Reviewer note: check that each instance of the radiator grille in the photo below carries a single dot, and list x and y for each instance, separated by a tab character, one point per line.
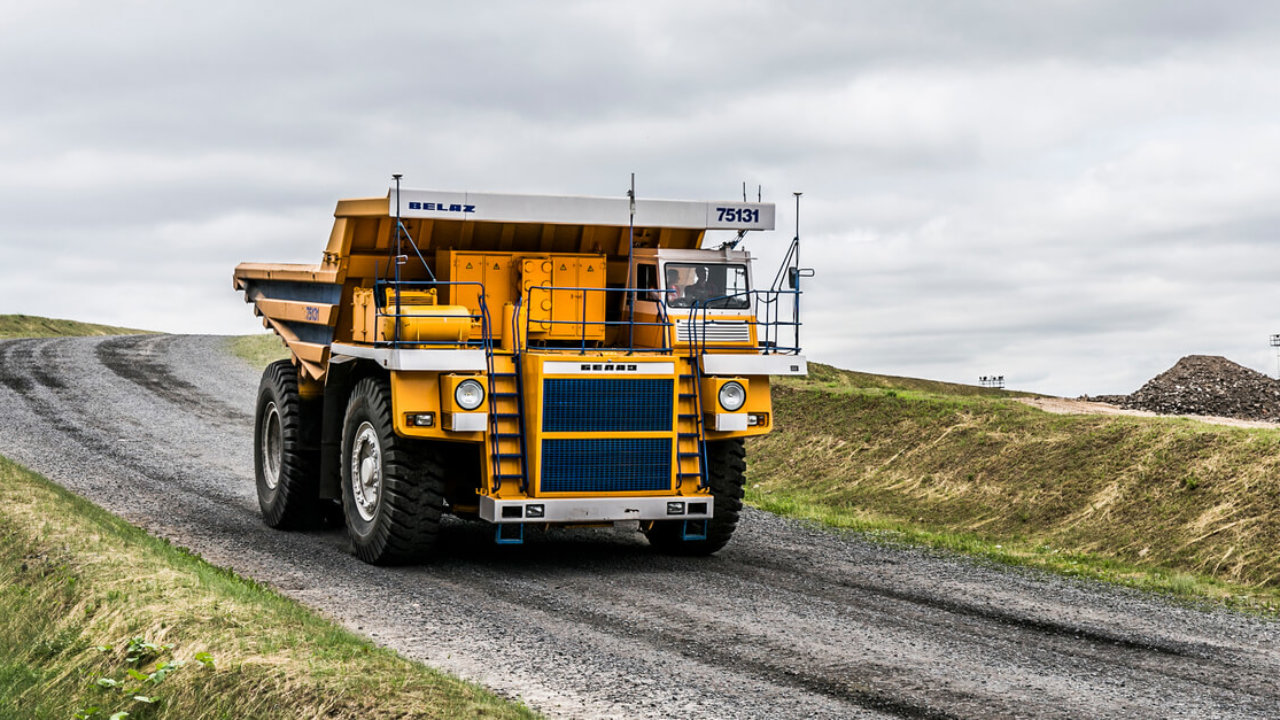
606	465
606	405
712	332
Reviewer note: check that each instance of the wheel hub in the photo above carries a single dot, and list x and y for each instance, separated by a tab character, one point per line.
272	446
366	471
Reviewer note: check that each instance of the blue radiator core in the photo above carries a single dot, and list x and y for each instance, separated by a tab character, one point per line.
606	464
606	405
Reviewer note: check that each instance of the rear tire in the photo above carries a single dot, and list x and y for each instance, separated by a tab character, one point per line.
285	450
392	487
727	463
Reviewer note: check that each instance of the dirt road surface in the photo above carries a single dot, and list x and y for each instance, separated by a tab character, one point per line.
786	622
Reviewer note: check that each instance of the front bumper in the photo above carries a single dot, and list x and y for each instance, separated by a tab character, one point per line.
593	510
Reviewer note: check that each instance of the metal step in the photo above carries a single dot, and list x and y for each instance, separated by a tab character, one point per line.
694	530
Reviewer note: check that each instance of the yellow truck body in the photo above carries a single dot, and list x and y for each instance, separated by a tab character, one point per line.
523	360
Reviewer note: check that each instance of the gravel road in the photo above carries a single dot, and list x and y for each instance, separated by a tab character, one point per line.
786	622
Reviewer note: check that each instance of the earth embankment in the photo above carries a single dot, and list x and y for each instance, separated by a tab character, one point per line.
788	621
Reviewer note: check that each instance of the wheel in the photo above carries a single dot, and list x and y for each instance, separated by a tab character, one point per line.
726	463
392	488
285	450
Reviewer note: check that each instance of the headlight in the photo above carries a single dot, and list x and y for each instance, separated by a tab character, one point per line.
732	395
469	394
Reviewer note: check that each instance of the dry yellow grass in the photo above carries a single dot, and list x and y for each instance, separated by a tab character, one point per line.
73	578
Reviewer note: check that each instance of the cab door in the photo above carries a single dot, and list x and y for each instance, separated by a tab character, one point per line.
648	310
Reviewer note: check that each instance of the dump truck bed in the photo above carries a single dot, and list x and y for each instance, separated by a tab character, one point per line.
308	305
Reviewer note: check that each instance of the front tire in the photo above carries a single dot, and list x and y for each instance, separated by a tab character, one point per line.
727	465
285	450
392	488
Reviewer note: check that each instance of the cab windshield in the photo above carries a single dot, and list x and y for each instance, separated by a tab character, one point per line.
715	286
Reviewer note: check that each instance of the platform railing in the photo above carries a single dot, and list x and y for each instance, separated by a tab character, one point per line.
395	311
583	329
771	324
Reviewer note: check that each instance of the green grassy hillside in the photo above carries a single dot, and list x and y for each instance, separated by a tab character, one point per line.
1169	503
259	350
830	378
97	613
15	326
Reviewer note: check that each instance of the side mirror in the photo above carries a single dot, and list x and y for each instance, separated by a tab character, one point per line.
794	275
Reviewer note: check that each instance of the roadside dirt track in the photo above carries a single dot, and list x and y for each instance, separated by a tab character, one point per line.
786	622
1068	406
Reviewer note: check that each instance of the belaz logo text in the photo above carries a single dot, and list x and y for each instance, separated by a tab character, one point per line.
608	367
442	207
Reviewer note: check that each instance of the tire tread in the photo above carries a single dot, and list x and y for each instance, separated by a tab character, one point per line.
407	523
726	465
294	504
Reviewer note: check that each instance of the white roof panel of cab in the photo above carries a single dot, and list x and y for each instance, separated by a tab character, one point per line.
576	210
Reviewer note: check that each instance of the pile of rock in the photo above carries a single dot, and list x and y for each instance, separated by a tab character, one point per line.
1205	385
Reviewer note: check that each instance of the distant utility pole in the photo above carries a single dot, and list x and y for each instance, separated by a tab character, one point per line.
997	381
1275	343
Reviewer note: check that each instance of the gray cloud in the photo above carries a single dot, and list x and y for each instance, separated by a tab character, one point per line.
1072	193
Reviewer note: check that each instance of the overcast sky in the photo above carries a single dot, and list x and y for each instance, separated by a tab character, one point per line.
1071	194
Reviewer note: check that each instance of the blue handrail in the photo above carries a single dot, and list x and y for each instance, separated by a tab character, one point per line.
584	325
769	328
484	342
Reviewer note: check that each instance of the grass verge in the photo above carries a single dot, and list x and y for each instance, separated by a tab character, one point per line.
101	618
19	326
1171	505
258	350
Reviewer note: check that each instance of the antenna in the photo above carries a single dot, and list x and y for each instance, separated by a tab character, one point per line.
797	194
742	234
631	263
795	283
395	255
399	258
393	251
631	226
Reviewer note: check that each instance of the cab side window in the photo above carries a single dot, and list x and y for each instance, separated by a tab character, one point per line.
647	280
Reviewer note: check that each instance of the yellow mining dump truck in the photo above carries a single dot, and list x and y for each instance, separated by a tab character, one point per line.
521	360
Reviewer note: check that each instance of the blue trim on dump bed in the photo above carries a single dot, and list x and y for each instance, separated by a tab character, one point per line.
306	332
317	292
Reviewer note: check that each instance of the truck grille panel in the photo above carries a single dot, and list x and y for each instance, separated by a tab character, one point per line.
606	465
606	405
712	332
